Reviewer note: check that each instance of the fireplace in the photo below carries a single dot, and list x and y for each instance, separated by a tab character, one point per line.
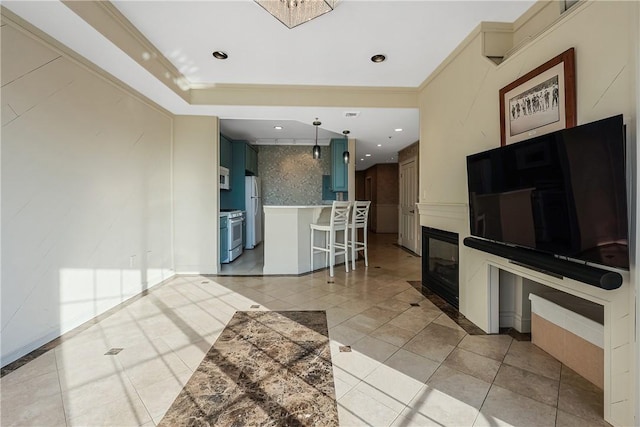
440	263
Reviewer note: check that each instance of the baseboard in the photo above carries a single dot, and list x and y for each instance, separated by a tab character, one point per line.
522	324
507	319
53	338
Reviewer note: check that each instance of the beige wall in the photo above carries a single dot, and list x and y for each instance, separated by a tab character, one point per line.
195	194
459	116
459	107
86	194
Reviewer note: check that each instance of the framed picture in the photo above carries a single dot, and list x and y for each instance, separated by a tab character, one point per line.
541	101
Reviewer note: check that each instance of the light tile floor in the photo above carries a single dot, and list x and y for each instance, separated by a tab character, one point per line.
410	366
250	263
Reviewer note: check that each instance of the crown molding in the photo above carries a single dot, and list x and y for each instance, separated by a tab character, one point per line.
108	21
303	96
7	17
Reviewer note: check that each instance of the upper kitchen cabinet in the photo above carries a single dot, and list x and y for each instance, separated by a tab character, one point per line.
251	160
225	152
244	161
327	194
339	169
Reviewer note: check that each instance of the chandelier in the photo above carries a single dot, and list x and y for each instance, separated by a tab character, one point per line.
295	12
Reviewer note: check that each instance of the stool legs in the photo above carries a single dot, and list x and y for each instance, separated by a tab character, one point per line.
354	236
366	251
312	250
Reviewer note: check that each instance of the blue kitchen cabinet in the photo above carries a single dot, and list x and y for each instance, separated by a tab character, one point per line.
244	162
327	194
225	152
339	169
251	160
236	195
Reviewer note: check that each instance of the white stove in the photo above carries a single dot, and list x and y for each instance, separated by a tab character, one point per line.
235	218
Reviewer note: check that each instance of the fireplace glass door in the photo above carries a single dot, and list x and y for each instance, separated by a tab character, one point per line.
440	261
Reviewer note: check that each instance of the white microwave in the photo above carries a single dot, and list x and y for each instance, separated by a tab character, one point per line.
224	178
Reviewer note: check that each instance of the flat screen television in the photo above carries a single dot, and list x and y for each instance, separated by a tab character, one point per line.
563	193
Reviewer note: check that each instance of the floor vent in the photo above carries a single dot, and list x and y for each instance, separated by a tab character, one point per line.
414	304
255	306
345	349
113	351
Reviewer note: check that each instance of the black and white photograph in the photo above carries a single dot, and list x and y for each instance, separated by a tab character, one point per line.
540	101
534	108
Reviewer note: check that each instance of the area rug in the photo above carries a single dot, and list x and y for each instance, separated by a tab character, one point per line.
266	368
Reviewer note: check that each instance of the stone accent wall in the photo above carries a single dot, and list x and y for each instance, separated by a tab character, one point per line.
290	175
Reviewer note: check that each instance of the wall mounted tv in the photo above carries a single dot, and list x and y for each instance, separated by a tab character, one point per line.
563	193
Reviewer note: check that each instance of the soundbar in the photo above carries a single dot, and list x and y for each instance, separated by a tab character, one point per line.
588	274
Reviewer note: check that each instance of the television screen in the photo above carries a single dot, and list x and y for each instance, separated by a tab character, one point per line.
562	193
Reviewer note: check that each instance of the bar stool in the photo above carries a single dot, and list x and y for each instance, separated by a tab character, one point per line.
359	219
340	212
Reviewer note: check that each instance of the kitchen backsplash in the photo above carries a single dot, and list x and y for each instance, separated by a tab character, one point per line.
290	175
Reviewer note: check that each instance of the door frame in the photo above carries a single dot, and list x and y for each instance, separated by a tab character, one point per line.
416	219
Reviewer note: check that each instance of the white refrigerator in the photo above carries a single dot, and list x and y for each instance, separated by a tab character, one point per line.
253	205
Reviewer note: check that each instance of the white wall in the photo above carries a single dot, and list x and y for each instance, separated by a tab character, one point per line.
459	116
195	194
86	185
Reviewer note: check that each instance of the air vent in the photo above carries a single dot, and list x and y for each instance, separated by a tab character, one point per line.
351	114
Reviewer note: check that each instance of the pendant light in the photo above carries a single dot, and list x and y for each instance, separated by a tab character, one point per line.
345	155
316	148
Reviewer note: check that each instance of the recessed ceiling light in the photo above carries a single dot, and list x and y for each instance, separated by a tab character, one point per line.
367	155
379	145
277	127
378	58
218	54
362	160
398	130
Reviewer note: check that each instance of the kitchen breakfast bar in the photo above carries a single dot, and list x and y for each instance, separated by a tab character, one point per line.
287	238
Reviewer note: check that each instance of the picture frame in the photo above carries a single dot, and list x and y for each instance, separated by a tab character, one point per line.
539	102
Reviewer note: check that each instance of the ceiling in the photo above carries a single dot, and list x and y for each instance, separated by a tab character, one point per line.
332	50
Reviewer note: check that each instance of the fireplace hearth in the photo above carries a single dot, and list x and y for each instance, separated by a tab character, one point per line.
440	263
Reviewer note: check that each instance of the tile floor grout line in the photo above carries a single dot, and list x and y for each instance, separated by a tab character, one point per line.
64	412
354	288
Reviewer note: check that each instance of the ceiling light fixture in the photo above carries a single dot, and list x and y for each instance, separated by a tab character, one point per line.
379	145
367	155
345	154
398	130
316	148
295	12
378	58
277	127
218	54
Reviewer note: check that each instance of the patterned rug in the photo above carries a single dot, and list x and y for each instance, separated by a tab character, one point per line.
267	368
